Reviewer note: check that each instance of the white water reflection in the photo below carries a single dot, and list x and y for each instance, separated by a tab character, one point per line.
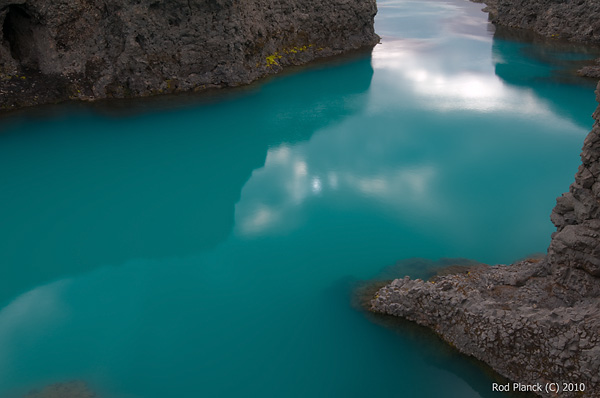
28	318
275	197
316	185
416	66
396	186
260	219
449	69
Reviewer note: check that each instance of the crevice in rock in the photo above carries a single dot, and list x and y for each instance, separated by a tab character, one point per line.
17	30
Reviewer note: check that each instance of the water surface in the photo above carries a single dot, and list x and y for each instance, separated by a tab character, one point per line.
210	248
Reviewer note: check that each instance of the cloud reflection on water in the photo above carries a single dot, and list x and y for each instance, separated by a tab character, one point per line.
275	195
435	83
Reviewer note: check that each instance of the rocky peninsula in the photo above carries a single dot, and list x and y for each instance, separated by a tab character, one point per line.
52	51
535	322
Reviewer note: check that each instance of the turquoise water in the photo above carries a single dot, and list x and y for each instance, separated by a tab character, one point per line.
208	247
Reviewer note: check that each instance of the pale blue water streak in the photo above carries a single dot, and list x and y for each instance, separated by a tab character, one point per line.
209	249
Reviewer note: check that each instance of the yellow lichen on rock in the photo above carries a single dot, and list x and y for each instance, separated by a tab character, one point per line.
272	59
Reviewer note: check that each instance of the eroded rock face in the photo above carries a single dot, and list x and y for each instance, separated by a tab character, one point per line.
573	20
577	20
519	319
118	48
575	247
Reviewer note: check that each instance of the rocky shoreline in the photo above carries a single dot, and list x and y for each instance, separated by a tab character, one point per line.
535	322
576	21
51	51
519	319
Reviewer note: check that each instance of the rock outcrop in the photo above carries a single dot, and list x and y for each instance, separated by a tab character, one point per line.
89	49
573	20
535	321
574	250
576	20
519	319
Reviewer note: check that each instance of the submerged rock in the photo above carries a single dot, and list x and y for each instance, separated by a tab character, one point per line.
590	70
72	389
56	50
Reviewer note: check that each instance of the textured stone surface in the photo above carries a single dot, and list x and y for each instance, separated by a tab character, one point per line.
56	49
576	20
575	247
519	319
590	71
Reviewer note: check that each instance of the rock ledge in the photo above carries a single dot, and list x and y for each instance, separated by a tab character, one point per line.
519	319
51	51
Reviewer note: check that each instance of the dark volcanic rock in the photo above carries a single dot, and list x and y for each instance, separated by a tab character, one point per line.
519	319
576	20
575	247
87	49
591	70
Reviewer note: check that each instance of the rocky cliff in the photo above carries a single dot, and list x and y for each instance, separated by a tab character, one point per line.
576	20
573	20
51	50
574	251
575	248
535	322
